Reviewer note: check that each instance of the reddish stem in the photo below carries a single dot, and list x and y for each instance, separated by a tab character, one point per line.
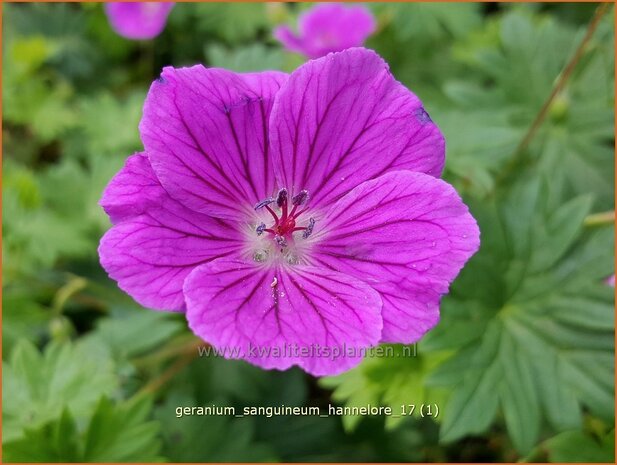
276	218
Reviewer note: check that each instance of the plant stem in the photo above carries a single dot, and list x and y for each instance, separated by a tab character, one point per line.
562	79
600	219
175	368
72	287
177	347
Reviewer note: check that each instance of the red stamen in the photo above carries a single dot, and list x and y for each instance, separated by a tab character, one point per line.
284	207
276	218
293	211
301	211
285	224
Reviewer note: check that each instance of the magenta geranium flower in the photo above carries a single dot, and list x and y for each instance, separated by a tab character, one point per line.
298	220
328	27
138	20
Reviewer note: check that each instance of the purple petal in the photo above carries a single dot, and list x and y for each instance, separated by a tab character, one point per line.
133	190
157	241
238	306
138	20
342	120
406	234
286	36
332	27
206	133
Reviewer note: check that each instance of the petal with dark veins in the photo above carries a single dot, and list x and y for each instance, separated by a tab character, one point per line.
260	313
206	133
407	235
157	241
343	119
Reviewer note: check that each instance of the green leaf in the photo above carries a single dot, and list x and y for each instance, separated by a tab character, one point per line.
55	213
38	230
234	22
115	433
393	381
209	438
122	433
38	387
53	442
22	318
134	331
516	61
585	164
547	346
47	111
529	54
576	446
105	114
561	228
29	54
255	57
473	405
40	237
215	377
63	26
580	129
479	144
430	21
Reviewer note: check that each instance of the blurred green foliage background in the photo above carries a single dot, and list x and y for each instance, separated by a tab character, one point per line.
522	362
